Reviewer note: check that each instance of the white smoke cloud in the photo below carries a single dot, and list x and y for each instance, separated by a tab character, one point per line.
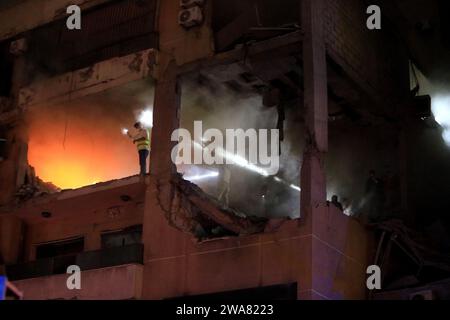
441	111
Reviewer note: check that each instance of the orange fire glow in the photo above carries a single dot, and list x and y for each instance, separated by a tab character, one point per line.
81	145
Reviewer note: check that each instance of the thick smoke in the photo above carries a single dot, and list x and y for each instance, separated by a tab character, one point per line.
429	151
355	149
221	108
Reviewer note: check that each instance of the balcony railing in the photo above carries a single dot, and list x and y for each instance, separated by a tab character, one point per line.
86	261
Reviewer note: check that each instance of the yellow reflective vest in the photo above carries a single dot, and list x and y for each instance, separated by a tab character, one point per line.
142	140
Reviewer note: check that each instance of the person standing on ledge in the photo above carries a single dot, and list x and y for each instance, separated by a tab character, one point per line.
142	140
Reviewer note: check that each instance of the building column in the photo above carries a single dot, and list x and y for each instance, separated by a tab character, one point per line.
313	180
11	239
163	244
165	119
20	79
20	74
14	168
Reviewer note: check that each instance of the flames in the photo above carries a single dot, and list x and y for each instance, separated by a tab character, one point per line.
79	147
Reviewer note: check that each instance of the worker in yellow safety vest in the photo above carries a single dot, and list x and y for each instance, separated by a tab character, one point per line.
142	140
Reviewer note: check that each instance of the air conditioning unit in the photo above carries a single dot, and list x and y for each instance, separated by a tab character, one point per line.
191	3
422	295
191	17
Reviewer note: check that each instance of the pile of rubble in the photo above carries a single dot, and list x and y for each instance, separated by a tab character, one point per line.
34	187
195	212
401	248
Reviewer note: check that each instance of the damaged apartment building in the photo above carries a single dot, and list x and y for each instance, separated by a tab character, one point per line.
339	93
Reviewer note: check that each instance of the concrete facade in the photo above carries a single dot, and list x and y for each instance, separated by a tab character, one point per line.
325	252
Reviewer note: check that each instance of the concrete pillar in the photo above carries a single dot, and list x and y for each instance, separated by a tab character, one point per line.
20	79
162	242
11	238
92	240
313	180
165	119
14	168
159	191
20	75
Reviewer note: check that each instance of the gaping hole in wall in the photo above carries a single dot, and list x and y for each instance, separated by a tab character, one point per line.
362	167
82	142
242	184
427	141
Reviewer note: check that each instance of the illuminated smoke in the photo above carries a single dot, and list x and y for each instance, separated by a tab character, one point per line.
441	111
207	175
292	186
146	118
237	160
221	108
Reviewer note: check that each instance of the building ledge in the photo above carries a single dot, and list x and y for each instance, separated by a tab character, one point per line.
90	198
112	283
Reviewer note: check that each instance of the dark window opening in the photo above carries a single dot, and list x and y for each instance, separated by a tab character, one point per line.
60	248
54	258
121	238
6	69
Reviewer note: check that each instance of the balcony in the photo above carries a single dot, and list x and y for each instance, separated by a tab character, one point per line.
89	260
112	283
114	273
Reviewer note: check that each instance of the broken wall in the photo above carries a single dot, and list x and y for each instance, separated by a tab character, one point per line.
81	142
356	149
326	256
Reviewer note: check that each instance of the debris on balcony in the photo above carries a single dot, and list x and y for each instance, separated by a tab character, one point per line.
193	211
34	187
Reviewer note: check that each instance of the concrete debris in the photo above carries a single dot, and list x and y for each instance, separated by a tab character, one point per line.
429	263
34	187
195	212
